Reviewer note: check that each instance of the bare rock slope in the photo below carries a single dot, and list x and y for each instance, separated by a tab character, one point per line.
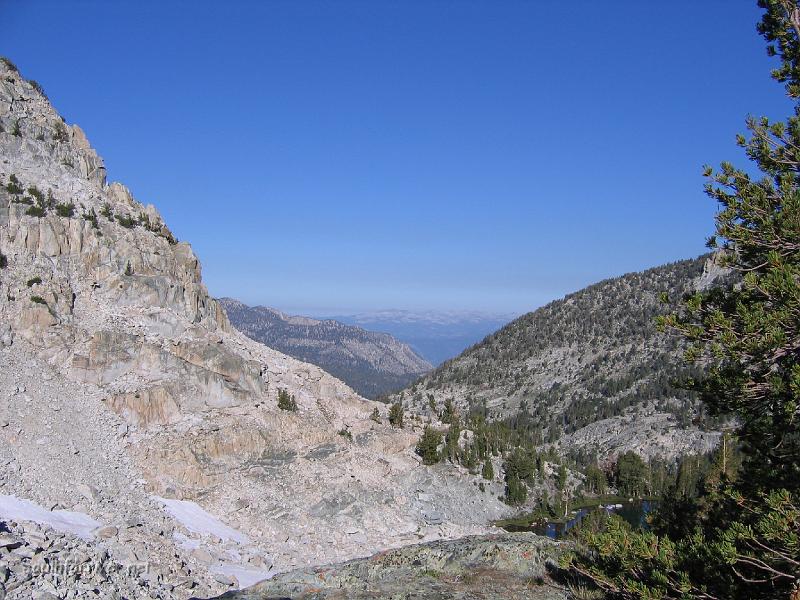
126	398
370	362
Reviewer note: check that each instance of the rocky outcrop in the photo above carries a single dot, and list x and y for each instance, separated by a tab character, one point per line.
371	363
499	567
128	393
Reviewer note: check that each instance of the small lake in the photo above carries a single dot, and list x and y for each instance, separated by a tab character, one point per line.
634	513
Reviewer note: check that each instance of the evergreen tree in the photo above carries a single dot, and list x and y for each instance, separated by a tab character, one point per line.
488	470
595	482
451	447
631	475
285	401
561	484
742	541
396	415
449	413
428	445
516	492
376	415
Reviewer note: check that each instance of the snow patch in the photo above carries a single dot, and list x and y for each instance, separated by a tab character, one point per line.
196	520
245	576
65	521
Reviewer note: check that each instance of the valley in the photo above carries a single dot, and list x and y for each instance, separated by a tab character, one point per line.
634	439
371	363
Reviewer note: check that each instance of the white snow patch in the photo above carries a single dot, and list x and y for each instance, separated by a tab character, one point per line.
244	575
196	520
65	521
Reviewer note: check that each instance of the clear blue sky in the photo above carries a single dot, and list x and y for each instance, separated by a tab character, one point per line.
327	156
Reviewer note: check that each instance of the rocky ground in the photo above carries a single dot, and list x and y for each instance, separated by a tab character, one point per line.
500	567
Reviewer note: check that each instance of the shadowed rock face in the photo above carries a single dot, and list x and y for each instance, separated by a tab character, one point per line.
498	567
372	363
123	377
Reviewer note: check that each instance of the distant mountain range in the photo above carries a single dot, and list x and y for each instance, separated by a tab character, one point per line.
435	335
371	363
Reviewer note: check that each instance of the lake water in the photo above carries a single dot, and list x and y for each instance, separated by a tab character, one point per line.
634	513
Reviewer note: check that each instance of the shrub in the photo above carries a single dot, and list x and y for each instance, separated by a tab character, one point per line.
488	470
9	65
36	193
126	221
66	210
38	87
285	401
33	281
61	134
15	130
91	216
35	211
13	186
38	300
346	434
106	211
396	413
376	415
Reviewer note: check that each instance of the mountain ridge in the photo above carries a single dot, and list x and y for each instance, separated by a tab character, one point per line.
372	363
434	335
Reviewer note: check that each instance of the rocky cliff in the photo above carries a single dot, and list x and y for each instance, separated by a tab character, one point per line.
132	407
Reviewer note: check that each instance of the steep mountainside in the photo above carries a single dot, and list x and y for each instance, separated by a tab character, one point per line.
369	362
590	370
141	431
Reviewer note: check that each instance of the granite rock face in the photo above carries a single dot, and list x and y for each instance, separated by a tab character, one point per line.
499	567
129	397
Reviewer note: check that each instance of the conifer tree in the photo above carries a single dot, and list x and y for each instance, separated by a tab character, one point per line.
743	541
396	415
488	470
428	445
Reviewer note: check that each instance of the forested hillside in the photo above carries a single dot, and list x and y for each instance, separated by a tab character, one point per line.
593	356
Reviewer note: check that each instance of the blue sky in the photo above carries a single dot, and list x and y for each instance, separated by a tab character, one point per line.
337	156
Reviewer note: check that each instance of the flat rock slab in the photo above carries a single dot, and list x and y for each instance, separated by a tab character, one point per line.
496	567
